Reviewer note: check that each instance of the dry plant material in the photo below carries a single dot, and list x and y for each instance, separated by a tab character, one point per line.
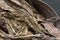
20	20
